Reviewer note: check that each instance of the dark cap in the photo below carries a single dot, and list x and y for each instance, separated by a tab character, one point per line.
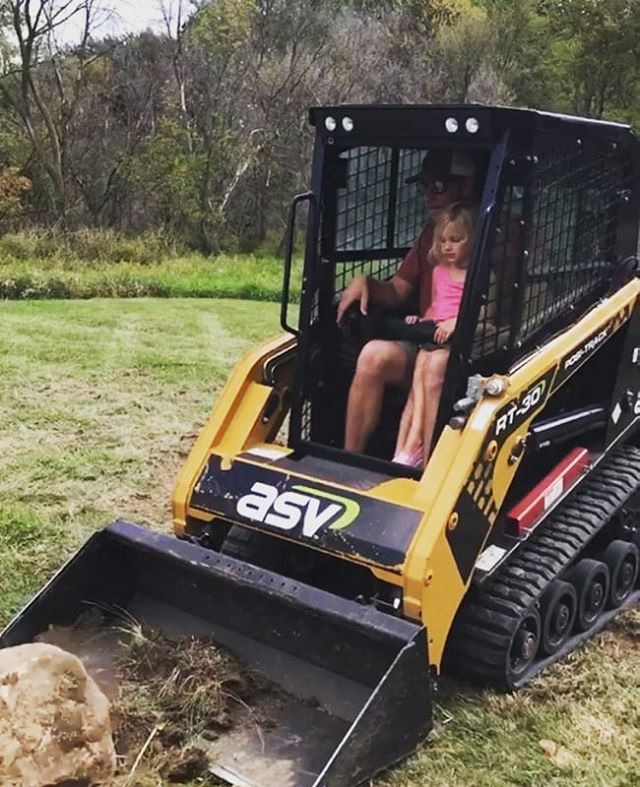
442	164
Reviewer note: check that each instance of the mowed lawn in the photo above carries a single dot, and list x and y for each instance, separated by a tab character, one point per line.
99	403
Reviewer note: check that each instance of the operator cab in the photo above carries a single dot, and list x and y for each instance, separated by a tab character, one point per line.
555	226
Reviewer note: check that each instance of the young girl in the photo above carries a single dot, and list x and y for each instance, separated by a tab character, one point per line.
452	239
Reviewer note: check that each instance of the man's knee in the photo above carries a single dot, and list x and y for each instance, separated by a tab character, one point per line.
381	360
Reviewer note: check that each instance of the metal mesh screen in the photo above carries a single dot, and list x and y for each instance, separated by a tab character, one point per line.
362	213
377	211
411	213
572	244
377	219
554	244
498	310
379	269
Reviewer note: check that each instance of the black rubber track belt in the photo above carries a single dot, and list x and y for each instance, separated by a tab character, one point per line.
480	639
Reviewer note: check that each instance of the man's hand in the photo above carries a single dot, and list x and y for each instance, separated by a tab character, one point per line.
444	330
358	290
412	319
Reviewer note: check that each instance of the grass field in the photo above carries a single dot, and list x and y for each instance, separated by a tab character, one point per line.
99	404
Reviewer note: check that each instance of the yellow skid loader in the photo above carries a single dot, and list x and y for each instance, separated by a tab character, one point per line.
353	581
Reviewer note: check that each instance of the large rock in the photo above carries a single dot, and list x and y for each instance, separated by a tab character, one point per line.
54	720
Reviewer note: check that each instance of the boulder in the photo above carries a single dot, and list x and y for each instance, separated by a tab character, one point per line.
54	720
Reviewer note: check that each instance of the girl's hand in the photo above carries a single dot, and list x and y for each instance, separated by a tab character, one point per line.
444	330
412	319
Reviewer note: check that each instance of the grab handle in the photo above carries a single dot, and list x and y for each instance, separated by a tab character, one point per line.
308	196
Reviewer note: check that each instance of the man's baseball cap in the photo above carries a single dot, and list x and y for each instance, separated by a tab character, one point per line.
439	165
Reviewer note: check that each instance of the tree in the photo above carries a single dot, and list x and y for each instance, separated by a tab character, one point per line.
44	86
597	54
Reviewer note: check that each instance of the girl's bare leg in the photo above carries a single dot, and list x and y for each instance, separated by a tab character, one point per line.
433	371
405	423
413	439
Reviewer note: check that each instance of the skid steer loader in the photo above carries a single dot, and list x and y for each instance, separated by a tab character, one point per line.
354	581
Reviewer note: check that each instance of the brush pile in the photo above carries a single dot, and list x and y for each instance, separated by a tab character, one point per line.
174	697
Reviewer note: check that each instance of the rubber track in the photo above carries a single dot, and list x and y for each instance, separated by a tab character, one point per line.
490	614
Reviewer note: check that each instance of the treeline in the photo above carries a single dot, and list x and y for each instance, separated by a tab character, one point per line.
201	132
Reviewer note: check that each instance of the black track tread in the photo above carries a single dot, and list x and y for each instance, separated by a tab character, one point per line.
489	616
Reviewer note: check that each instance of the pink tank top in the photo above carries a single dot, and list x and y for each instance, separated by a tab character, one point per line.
447	294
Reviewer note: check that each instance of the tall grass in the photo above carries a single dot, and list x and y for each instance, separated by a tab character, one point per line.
94	263
88	245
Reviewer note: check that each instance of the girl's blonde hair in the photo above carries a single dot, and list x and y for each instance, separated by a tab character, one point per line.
462	215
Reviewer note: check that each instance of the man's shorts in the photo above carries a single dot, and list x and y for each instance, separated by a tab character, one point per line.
410	349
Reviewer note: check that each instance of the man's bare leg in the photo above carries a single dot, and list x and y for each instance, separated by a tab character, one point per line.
380	363
433	372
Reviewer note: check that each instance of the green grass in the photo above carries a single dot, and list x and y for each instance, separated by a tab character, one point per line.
99	404
193	276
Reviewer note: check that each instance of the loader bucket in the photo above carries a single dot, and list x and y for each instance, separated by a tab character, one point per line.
357	680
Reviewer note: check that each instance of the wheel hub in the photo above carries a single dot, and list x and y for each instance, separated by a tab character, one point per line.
561	618
596	596
627	573
527	643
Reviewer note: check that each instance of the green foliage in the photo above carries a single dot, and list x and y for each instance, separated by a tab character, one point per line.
201	132
580	56
425	15
168	175
87	245
223	26
596	47
54	273
463	45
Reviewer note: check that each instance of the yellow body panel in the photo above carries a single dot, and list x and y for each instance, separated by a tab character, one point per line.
467	461
433	587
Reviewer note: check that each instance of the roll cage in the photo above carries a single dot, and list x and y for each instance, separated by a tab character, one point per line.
556	228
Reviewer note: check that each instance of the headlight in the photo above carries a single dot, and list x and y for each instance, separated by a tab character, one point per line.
451	124
347	123
472	125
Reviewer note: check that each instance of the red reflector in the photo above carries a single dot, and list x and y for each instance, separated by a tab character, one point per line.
525	514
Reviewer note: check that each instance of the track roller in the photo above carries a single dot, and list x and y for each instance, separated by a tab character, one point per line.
591	580
621	558
524	646
563	569
558	610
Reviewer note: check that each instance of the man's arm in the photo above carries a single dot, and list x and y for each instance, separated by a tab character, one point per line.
367	291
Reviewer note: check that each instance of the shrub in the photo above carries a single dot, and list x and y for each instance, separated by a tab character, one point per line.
90	245
28	245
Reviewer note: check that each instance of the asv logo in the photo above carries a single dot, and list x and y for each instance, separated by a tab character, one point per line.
286	510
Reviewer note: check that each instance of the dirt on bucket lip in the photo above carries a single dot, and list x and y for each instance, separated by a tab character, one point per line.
170	698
